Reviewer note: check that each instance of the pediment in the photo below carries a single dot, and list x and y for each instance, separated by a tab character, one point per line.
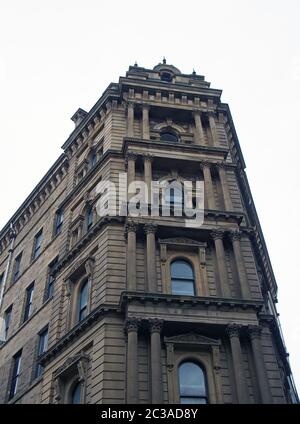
192	338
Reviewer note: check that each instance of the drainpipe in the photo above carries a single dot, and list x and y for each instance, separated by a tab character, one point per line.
12	236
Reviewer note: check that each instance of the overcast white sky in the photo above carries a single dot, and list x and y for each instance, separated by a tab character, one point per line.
58	55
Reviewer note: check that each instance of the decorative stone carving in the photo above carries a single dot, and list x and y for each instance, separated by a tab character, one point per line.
217	234
254	331
235	235
132	324
155	325
233	330
150	228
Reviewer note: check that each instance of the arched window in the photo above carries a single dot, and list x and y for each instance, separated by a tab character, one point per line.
89	218
92	158
182	277
82	308
166	76
169	135
76	394
174	196
192	385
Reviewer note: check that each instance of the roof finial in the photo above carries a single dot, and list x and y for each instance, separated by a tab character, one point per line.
135	63
194	72
164	60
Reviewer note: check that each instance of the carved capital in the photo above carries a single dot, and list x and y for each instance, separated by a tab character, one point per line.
220	165
131	226
254	331
147	157
57	389
217	234
155	325
235	235
205	164
233	330
130	156
150	228
132	324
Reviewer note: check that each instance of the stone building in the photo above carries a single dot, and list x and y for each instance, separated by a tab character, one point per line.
145	309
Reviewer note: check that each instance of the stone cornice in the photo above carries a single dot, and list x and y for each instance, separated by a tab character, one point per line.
87	238
95	316
202	302
191	148
36	199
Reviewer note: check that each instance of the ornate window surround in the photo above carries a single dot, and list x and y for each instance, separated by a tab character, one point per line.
73	283
189	250
73	370
196	348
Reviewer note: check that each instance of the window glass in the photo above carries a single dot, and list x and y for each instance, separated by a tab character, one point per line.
169	136
15	374
83	301
76	394
182	278
192	383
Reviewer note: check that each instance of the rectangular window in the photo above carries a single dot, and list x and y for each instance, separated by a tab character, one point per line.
28	302
7	319
1	279
50	279
42	347
16	371
59	218
17	268
37	244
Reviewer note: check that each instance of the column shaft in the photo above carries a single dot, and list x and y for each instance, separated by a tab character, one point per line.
208	186
261	374
146	134
151	258
238	368
156	366
199	134
217	235
213	129
235	239
132	360
130	120
148	175
225	189
131	257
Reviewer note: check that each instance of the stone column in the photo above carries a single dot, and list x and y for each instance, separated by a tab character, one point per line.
131	229
150	230
217	236
242	393
213	128
156	366
148	159
235	237
146	132
132	360
261	374
199	134
225	188
131	158
208	185
130	119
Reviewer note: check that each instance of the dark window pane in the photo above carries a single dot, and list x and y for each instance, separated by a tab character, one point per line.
7	319
168	136
83	301
192	383
17	267
182	269
50	279
37	244
28	302
42	347
76	394
15	374
182	287
89	218
58	222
